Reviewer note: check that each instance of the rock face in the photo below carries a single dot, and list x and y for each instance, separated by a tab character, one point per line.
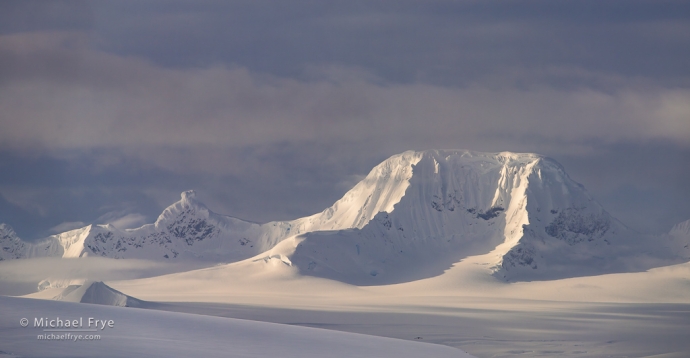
12	246
413	216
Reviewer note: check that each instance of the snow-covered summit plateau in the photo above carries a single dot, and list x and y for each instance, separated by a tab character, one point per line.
413	216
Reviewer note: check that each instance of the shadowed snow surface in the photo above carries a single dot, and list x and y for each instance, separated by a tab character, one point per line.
148	333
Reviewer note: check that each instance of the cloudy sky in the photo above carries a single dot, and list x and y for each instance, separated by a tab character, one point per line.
271	110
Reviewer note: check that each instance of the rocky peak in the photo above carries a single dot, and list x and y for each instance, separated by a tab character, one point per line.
186	207
6	232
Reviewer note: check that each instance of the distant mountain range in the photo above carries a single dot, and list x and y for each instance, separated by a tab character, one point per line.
413	216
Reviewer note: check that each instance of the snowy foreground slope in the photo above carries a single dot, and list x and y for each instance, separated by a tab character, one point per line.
139	333
412	217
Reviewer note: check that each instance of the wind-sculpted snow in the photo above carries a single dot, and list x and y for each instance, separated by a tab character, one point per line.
95	293
413	216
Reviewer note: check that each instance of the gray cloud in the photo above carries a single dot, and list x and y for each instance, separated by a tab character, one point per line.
93	99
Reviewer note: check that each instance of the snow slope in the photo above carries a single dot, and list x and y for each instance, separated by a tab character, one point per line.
640	314
138	332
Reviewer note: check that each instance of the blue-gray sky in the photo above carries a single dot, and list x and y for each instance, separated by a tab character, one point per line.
273	109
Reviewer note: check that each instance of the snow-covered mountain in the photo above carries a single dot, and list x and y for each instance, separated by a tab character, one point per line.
413	216
521	210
